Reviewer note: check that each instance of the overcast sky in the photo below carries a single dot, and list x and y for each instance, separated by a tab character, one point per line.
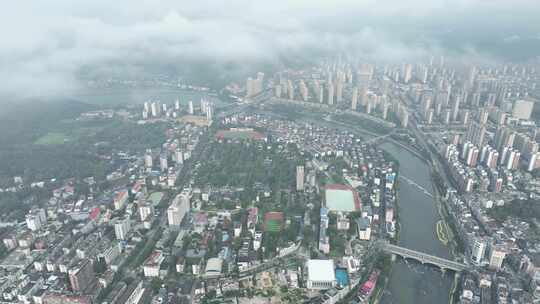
46	44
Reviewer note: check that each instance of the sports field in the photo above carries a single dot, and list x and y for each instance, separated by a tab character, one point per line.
239	134
52	138
273	221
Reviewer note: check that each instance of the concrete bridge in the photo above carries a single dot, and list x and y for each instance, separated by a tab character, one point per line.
378	138
423	258
412	183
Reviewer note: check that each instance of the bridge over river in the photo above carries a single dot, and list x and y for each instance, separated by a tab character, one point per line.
423	258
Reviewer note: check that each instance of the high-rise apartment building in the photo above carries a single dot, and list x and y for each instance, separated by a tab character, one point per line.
299	178
81	276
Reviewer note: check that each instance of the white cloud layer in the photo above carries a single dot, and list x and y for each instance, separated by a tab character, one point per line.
45	44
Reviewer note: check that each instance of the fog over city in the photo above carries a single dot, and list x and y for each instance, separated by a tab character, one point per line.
283	151
47	45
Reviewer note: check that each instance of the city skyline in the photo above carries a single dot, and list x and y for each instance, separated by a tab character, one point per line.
55	47
306	152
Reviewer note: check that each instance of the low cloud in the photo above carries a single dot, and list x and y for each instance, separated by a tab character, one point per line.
46	45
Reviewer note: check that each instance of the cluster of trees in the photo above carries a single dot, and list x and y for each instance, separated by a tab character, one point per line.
527	210
130	136
245	164
338	239
12	206
24	122
40	163
79	157
292	112
15	205
367	124
270	242
291	232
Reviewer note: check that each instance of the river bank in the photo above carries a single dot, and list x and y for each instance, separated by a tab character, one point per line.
446	231
411	282
419	212
386	270
418	216
406	278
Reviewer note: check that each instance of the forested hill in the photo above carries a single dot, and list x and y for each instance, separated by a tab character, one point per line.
23	121
44	140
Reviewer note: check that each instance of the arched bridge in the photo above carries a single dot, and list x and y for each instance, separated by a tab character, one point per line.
423	258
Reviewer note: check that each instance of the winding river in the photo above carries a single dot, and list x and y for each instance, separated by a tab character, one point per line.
411	282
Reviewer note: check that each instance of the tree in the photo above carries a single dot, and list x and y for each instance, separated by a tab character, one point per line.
156	284
527	210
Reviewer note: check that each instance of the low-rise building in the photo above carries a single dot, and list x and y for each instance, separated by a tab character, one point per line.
321	274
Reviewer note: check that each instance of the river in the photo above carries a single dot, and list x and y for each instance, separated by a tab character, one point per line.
111	97
411	282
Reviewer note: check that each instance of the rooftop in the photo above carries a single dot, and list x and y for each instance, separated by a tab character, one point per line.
154	259
214	266
321	270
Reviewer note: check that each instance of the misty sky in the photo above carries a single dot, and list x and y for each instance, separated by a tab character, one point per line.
47	45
